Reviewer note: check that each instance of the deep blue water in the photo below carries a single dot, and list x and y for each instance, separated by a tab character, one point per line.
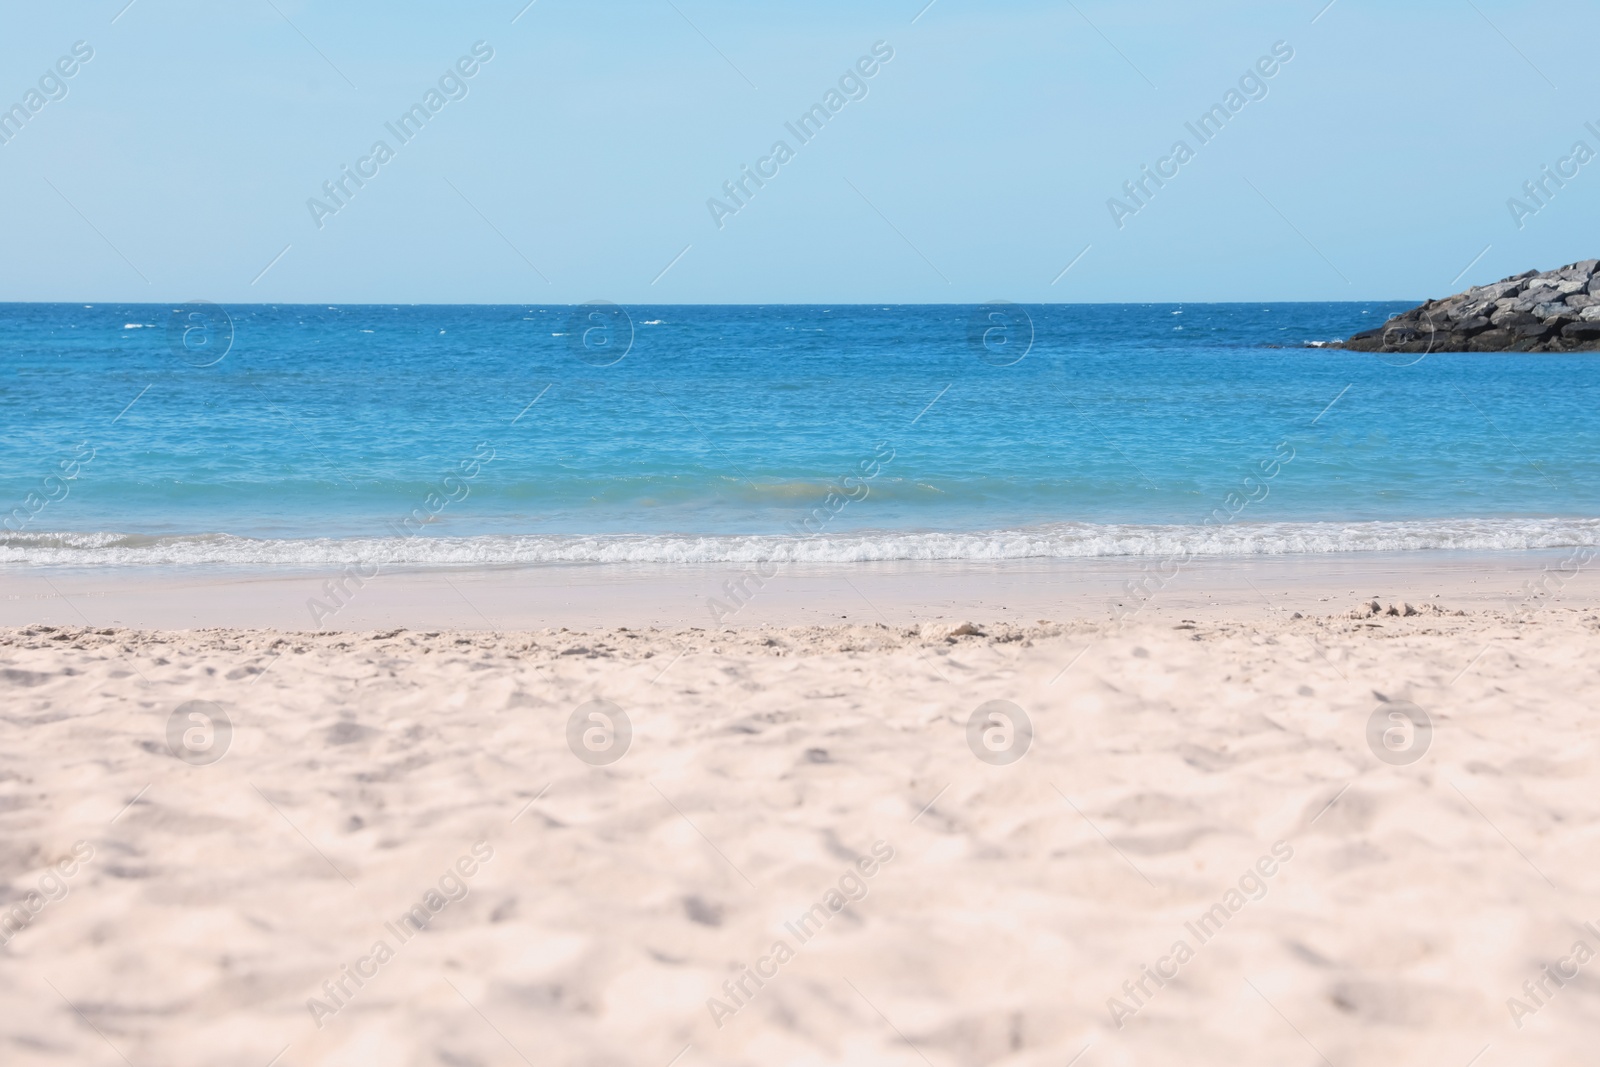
717	428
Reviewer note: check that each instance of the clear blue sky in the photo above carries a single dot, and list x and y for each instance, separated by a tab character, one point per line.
978	165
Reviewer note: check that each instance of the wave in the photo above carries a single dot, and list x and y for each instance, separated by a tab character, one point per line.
1053	541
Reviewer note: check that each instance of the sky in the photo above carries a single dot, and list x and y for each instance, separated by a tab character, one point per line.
581	161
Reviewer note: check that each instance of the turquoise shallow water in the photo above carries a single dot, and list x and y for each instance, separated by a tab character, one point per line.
465	434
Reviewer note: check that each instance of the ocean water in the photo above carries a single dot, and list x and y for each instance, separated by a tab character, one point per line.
312	435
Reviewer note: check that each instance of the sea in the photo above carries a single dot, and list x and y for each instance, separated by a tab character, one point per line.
199	435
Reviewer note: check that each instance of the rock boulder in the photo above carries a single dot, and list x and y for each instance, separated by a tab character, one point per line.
1552	311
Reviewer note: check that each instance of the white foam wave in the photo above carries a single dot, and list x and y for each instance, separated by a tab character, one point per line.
1055	541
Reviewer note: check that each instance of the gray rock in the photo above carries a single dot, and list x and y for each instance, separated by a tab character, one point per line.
1554	311
1513	318
1492	341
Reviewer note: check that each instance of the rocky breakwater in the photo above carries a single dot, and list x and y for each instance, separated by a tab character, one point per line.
1552	311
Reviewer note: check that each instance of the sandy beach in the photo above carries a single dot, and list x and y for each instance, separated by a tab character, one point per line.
401	857
603	535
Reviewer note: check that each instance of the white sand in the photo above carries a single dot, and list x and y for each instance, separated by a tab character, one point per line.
766	763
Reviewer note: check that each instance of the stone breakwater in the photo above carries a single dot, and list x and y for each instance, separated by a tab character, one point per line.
1553	311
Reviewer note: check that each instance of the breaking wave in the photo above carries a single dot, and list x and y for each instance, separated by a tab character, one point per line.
1053	541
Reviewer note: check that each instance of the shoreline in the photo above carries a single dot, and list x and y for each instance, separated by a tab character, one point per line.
710	596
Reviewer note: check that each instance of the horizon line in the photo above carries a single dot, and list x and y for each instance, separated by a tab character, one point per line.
87	305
